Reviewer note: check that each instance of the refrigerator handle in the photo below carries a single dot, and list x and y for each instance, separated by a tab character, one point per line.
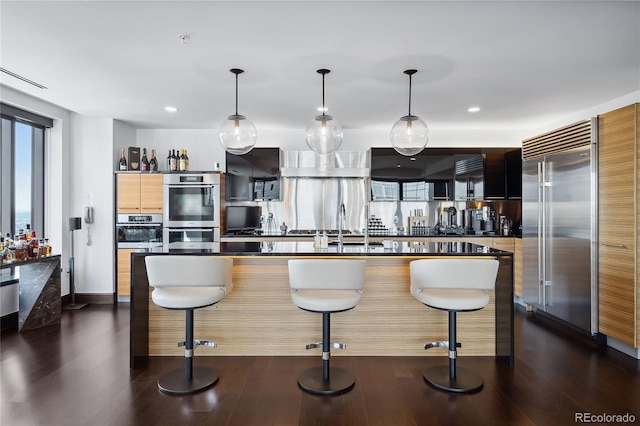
542	243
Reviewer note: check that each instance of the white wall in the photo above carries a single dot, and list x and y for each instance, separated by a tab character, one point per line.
93	185
202	146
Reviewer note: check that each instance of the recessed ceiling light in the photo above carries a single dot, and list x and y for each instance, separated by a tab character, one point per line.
474	109
170	109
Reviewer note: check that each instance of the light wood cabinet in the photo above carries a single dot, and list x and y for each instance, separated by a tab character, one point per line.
139	193
124	272
619	215
517	267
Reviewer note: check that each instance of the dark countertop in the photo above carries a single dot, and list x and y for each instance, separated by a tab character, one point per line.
360	236
285	248
31	260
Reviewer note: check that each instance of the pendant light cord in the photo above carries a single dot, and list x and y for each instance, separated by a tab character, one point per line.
236	94
409	95
323	108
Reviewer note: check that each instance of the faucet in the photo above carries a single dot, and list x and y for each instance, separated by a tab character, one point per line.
341	217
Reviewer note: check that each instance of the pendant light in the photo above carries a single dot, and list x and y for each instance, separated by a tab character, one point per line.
410	134
324	133
237	134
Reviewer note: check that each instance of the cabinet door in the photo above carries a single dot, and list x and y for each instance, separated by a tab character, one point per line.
239	183
151	193
128	189
494	174
384	178
124	272
513	171
617	177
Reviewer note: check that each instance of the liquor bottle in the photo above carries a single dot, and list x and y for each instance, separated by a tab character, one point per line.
186	160
169	161
123	161
27	234
183	162
33	245
153	163
144	164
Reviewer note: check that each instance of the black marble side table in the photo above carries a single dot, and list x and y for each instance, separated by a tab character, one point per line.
40	302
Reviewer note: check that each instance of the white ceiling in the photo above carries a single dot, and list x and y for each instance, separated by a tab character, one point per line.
524	63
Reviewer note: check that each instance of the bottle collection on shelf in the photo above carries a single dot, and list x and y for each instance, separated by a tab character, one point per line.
177	161
23	246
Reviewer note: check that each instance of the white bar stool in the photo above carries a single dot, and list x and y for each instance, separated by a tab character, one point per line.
188	283
453	285
326	286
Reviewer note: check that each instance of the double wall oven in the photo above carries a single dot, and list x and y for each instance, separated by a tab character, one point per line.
191	214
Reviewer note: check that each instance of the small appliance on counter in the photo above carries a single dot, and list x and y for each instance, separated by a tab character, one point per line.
505	226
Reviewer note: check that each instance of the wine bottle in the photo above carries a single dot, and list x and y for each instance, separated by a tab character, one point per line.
186	160
177	160
172	161
123	161
144	164
183	161
153	163
169	161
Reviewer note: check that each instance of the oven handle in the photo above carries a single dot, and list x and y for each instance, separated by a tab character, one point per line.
140	225
186	185
189	229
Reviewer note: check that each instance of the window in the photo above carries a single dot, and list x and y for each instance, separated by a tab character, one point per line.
22	178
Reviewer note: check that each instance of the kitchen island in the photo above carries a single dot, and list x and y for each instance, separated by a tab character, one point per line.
258	317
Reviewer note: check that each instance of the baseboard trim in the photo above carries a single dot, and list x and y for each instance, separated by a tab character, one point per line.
91	298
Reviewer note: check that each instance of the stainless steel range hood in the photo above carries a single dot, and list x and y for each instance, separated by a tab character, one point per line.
308	164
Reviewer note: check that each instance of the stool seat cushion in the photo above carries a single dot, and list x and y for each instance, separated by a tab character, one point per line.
452	300
325	300
187	297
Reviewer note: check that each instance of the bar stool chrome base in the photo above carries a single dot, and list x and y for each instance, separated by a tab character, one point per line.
465	381
340	380
175	382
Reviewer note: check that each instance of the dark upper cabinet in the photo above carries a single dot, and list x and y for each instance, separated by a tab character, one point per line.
495	181
423	177
253	176
461	174
513	172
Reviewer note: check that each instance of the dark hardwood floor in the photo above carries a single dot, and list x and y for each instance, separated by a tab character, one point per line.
78	374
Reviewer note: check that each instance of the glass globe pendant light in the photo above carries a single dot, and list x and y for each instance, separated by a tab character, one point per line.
410	134
324	133
237	134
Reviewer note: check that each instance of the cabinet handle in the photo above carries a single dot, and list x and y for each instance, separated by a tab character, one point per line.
614	245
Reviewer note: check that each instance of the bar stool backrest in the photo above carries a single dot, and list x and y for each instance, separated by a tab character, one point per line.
326	274
190	271
475	274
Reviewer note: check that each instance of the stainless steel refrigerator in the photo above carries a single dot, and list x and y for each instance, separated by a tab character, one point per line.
559	220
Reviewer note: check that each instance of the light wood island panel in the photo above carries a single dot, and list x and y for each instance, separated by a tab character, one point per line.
258	317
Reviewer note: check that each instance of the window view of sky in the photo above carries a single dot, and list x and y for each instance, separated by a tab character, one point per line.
22	186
